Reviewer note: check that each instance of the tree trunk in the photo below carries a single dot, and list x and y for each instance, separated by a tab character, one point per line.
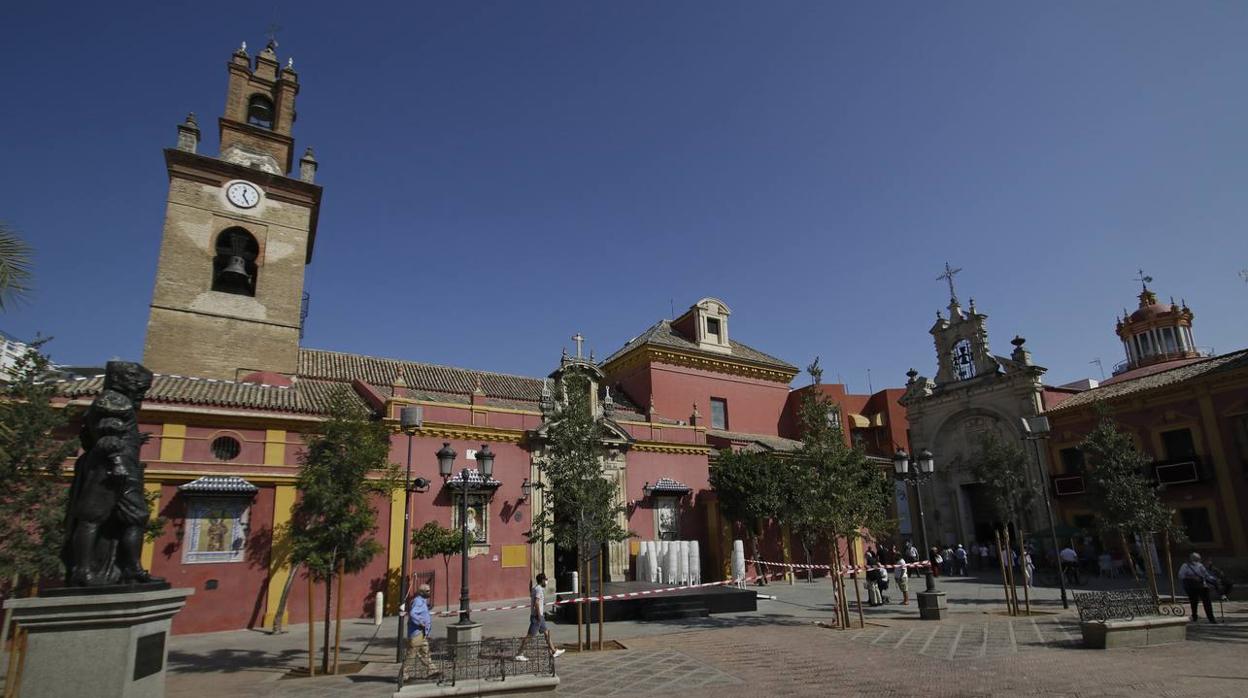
1149	569
759	569
1169	563
1126	552
1009	571
580	606
338	617
601	602
853	562
446	580
810	572
279	616
1028	579
329	611
1005	580
311	625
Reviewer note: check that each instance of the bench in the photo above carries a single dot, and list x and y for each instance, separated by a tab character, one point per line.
1130	618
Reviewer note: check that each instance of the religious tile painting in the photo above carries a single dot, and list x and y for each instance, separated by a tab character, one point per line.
216	529
478	519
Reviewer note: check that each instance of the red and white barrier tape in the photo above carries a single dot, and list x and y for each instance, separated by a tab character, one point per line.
609	597
844	570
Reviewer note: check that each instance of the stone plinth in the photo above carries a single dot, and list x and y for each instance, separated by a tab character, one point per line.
932	605
102	645
1139	632
514	686
463	639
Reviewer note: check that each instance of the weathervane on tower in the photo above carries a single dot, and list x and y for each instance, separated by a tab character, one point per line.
1144	279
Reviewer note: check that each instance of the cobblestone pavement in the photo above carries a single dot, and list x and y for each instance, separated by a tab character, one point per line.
778	650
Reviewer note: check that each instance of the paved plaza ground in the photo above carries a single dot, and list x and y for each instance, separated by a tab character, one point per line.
782	649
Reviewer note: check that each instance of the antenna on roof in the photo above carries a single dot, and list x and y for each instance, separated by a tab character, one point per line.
1099	366
870	390
671	302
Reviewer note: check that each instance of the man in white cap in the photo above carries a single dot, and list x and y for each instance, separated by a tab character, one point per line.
419	625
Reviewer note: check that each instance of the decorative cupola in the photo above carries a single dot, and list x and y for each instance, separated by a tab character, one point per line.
706	323
1156	332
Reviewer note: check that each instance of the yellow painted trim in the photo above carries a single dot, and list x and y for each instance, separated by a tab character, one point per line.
394	565
149	547
1210	416
172	440
180	475
279	553
460	406
275	447
689	449
466	432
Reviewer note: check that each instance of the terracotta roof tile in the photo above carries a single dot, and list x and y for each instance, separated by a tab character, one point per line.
1235	361
662	334
305	396
332	365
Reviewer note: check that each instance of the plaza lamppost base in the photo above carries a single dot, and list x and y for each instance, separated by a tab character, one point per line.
462	636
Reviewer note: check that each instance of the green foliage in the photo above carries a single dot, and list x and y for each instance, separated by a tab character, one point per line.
15	275
829	488
748	487
582	510
433	539
1001	467
34	443
1124	497
344	463
155	524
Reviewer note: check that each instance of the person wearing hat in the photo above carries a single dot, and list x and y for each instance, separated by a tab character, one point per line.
537	619
1196	581
419	625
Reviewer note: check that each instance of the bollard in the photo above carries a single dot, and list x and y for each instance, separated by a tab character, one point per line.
379	607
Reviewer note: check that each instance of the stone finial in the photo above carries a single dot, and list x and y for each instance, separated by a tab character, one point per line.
290	63
651	413
242	49
188	134
972	306
478	390
696	417
591	356
911	375
1020	353
308	166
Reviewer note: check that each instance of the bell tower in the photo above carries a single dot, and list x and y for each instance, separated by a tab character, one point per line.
239	231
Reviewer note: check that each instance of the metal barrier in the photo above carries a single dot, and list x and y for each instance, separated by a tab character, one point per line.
487	660
1101	606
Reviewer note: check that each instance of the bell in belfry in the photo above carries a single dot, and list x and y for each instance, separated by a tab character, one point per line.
234	276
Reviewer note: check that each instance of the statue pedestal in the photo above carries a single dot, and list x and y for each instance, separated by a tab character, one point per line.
93	644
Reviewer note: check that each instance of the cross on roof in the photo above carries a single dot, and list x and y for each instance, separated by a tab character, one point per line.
948	276
578	339
273	29
1144	280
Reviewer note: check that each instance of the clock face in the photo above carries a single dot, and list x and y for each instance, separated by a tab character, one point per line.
243	194
963	360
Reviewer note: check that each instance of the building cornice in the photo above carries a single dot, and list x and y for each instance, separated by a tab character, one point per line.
646	354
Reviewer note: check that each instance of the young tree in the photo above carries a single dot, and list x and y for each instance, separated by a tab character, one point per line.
345	462
834	491
747	487
433	539
1001	467
1125	499
581	510
34	444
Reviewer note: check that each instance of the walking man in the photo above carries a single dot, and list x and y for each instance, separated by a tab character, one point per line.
537	619
419	625
1196	581
1070	564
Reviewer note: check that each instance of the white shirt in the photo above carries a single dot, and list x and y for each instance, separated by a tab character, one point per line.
538	596
1069	555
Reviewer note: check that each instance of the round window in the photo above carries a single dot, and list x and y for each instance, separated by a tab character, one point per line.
226	448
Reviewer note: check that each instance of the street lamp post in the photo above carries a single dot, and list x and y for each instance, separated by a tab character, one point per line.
1034	430
409	422
931	601
485	464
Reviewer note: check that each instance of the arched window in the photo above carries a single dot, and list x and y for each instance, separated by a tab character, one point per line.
260	111
234	266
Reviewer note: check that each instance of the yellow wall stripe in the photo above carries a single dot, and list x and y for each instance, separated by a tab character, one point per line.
149	547
396	551
275	447
172	440
279	559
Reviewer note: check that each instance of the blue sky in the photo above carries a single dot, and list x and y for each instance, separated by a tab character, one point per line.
501	175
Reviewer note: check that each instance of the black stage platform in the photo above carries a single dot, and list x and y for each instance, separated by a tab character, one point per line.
686	603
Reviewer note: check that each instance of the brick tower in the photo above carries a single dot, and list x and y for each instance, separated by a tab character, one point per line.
238	233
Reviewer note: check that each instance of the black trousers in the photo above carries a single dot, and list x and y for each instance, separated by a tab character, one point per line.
1196	594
